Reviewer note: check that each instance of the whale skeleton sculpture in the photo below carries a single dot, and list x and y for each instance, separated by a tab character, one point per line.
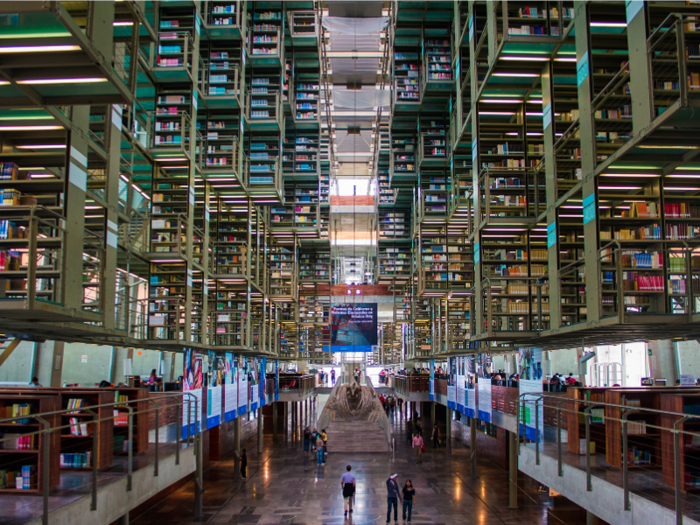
354	402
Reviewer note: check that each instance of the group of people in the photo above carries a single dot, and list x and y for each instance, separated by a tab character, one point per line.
558	380
384	374
394	494
323	377
390	404
357	375
320	443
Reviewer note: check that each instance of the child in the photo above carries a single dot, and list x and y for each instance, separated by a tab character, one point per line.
244	464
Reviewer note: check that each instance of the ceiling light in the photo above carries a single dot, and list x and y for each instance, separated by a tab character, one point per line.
41	146
501	101
118	24
530	75
683	176
38	49
525	59
497	113
644	175
681	188
29	128
608	24
620	187
85	80
667	147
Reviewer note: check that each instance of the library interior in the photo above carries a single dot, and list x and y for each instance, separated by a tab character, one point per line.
299	262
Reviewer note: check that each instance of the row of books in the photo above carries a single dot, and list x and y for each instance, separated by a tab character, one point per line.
17	441
652	232
23	479
524	308
17	410
623	112
633	282
642	260
74	405
9	171
681	210
78	427
82	460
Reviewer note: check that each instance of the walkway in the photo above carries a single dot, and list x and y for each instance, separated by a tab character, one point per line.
287	487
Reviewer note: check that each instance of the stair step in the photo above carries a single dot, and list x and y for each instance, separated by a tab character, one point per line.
356	436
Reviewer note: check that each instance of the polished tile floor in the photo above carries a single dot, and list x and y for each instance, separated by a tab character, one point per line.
286	487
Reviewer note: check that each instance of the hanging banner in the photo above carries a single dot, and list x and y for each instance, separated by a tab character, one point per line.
432	379
452	383
277	379
230	388
263	381
484	385
529	423
217	371
192	384
530	363
242	385
451	397
470	395
461	385
254	383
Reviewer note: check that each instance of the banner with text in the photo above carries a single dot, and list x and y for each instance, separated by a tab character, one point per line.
230	388
353	327
484	386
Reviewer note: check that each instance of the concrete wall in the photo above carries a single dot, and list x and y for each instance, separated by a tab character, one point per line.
85	364
18	367
689	357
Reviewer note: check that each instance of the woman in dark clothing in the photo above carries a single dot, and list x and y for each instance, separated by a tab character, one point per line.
409	496
244	464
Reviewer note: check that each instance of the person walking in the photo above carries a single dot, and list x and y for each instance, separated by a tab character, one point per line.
393	494
348	485
409	431
324	437
319	450
332	376
436	437
418	447
307	439
244	465
417	426
409	496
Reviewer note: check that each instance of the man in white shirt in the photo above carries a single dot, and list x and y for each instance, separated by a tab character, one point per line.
347	484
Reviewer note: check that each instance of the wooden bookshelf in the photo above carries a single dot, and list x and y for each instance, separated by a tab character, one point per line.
576	423
34	455
136	399
79	444
682	403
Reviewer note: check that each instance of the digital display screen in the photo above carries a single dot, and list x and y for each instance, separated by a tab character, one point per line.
354	327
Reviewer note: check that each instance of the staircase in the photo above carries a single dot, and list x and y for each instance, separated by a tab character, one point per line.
356	436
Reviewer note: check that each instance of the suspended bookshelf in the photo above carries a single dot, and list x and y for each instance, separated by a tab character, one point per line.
407	77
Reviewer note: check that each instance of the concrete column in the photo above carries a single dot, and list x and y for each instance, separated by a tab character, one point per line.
274	421
472	445
260	431
57	368
591	519
513	469
448	433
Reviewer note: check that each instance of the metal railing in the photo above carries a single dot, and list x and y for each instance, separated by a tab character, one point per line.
635	437
134	408
503	313
670	59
